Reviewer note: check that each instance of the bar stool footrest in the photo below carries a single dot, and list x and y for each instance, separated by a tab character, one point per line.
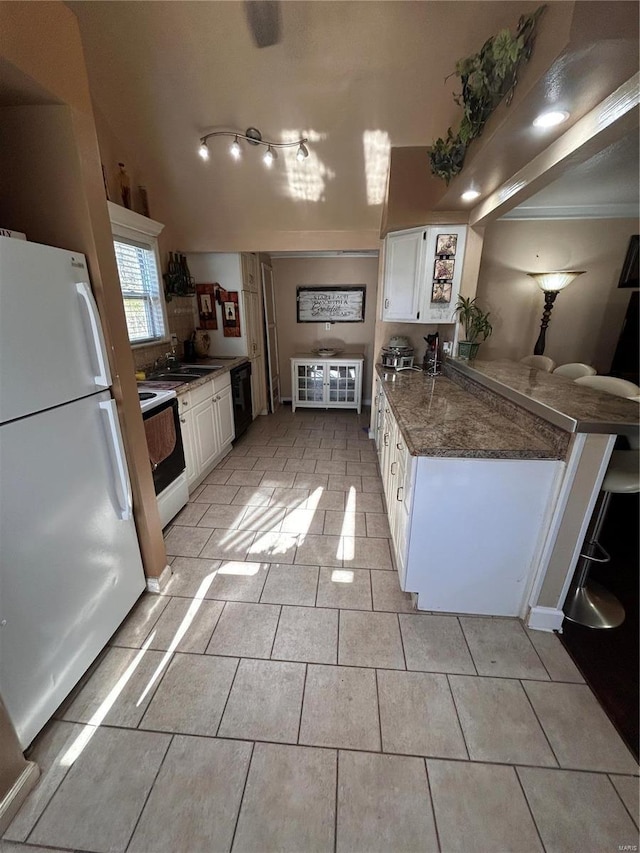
594	551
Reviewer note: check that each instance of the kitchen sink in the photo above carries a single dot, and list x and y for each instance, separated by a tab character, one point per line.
174	376
199	369
184	373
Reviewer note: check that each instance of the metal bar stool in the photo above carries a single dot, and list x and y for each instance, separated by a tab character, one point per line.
589	603
574	370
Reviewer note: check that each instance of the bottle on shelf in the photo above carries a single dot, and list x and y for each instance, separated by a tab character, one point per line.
144	201
125	186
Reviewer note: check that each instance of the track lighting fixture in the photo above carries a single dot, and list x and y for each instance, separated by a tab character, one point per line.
235	149
254	137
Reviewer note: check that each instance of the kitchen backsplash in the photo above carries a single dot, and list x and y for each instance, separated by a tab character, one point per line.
182	321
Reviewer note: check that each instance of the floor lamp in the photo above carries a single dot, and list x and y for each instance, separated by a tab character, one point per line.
551	283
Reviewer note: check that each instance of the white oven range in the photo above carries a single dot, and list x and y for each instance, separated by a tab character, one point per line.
169	475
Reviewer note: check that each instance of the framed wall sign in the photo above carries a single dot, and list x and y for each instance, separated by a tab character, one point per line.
343	304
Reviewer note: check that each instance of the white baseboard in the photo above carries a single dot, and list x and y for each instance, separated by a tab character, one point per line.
158	584
545	619
17	794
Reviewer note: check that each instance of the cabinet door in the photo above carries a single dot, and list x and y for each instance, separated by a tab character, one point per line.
250	321
205	433
188	443
443	256
377	411
224	416
258	386
342	383
403	275
249	271
309	382
385	459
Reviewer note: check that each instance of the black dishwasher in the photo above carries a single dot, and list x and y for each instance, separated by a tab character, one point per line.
241	392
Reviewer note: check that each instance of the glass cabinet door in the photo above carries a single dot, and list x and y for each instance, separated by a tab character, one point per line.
342	383
310	383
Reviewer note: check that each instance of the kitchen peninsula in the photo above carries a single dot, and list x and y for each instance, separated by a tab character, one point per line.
490	474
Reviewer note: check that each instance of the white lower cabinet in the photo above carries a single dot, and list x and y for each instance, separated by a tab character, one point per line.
205	433
224	416
188	442
334	383
206	424
465	532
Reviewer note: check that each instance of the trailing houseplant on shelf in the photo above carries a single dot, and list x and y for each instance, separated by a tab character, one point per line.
487	77
477	326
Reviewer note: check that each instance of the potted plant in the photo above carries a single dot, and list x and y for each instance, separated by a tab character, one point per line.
477	327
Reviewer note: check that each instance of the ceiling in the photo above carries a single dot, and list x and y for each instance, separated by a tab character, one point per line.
355	77
605	186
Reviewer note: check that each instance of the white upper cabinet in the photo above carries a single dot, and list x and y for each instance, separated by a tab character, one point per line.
423	271
402	275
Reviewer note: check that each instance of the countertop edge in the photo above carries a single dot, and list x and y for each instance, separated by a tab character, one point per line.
536	407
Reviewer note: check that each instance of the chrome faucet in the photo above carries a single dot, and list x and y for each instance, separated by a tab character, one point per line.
167	360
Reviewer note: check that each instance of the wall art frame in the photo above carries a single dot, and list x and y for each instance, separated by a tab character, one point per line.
331	304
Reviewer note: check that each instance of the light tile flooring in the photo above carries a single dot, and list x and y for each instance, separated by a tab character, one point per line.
284	695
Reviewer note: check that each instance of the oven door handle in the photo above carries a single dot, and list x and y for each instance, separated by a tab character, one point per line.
122	484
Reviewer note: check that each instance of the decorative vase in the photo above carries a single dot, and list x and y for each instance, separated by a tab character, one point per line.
201	343
468	350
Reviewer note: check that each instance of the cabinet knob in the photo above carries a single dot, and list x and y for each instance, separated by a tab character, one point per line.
386	303
400	489
393	473
182	421
386	439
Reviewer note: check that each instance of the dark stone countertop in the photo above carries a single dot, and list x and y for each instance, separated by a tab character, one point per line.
556	399
438	417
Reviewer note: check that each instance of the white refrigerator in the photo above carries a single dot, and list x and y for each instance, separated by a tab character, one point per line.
70	566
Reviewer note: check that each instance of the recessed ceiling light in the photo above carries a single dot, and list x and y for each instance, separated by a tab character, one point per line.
551	119
470	195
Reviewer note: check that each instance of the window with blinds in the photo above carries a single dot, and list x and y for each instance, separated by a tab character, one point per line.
141	291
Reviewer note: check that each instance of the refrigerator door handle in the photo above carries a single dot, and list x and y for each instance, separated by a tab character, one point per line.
123	486
103	379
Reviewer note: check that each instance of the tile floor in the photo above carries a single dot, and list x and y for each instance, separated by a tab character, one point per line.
284	695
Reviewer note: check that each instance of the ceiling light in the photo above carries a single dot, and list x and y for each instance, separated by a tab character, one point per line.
551	118
470	195
253	136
